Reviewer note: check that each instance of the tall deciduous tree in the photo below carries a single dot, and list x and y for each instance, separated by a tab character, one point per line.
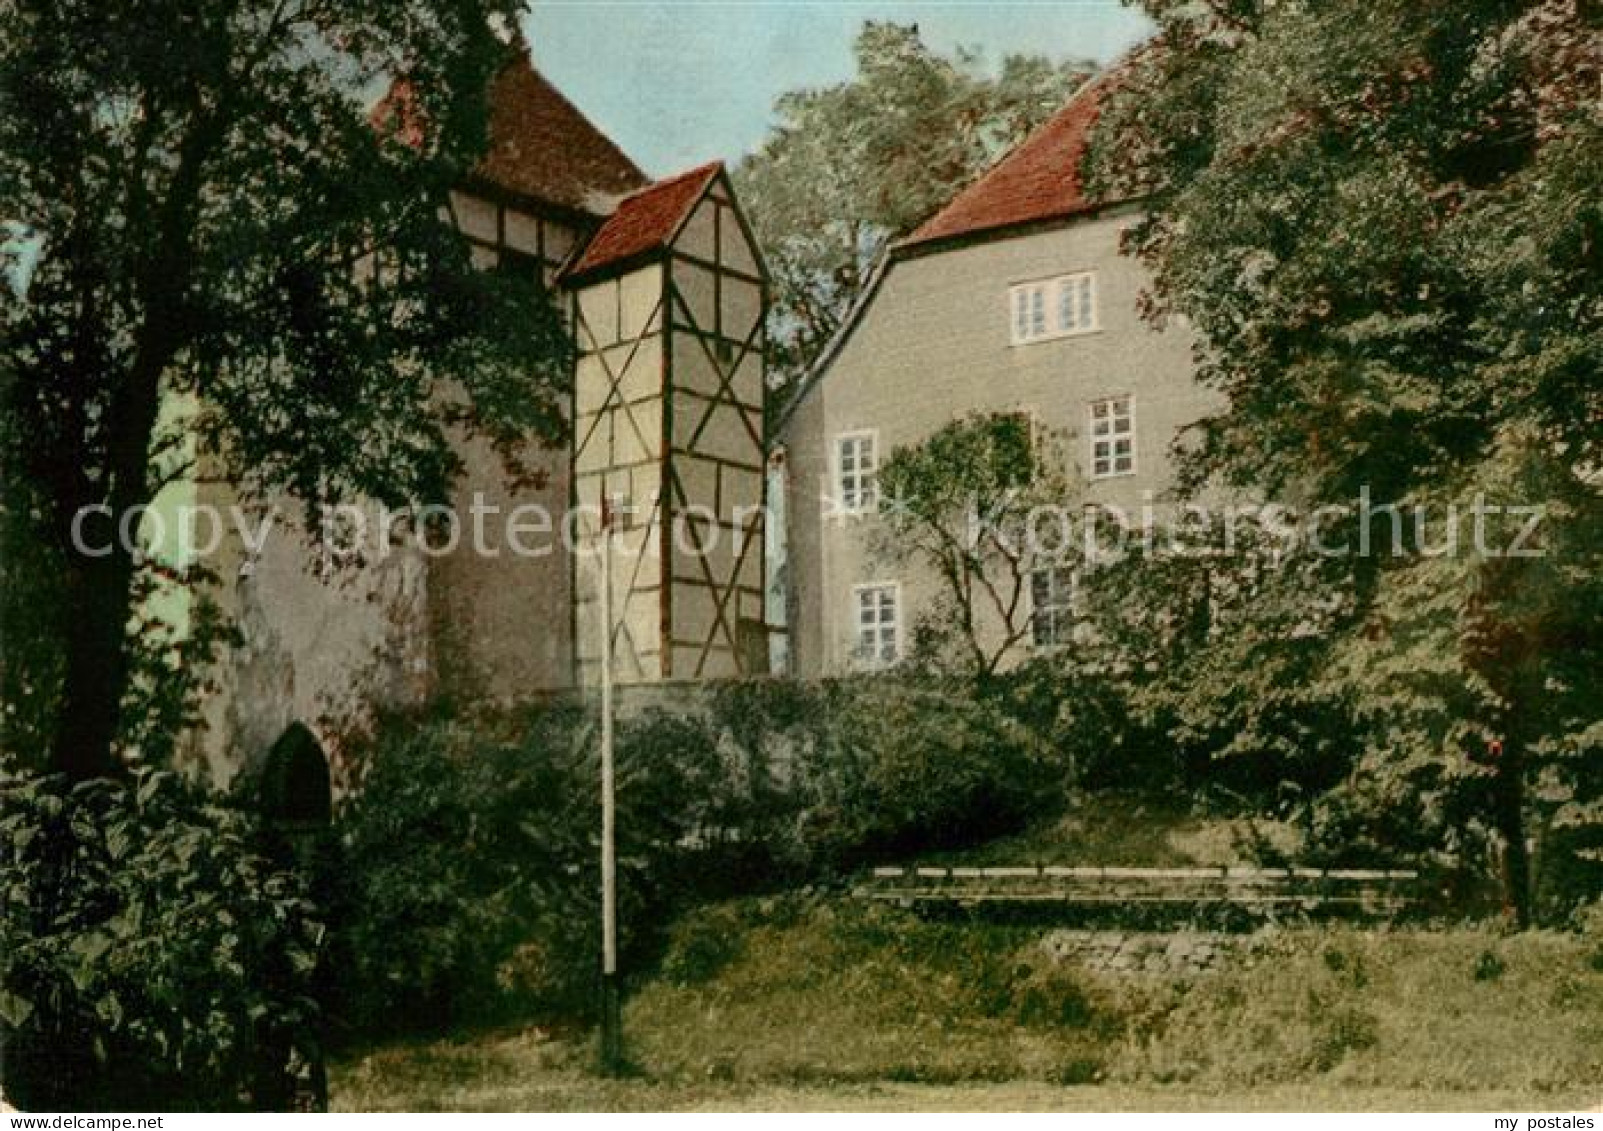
1382	218
220	221
853	165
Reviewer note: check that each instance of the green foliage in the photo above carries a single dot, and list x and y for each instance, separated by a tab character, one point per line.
219	219
841	998
467	883
465	887
171	669
30	607
853	165
841	990
1489	967
1094	722
918	767
1381	221
700	945
153	959
858	770
1406	1009
963	503
1214	652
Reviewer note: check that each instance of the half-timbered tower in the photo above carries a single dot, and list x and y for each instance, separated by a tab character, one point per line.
668	434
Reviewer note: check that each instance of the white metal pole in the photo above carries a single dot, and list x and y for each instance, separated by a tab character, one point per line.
611	1038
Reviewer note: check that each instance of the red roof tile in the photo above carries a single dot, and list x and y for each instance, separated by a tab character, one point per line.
648	219
1038	180
541	146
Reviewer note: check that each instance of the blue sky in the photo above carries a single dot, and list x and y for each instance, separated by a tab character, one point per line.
679	83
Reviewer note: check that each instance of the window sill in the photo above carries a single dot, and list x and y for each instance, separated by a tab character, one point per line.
1015	343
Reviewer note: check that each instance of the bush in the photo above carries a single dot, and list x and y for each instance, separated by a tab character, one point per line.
465	887
908	768
467	880
701	944
1089	722
153	960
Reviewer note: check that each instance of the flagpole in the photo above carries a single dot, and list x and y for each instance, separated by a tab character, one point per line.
611	1012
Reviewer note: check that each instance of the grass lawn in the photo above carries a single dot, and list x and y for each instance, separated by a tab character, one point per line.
525	1073
804	1003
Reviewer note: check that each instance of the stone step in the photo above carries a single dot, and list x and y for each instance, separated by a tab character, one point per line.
1360	889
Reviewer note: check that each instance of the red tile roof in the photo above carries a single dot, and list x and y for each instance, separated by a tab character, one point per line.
646	220
541	146
1038	180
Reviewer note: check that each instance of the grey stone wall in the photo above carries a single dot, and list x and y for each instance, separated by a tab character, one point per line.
1150	953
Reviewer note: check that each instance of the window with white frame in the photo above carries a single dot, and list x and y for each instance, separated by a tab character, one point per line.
1051	606
1054	308
1112	437
856	464
878	624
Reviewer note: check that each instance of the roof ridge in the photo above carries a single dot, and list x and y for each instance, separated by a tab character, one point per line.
1021	201
1079	92
704	169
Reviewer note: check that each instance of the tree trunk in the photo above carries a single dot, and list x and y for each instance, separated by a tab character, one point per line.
100	590
100	599
1504	652
1508	813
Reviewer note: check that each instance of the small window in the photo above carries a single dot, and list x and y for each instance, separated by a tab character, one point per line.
1051	606
856	467
1029	312
1076	304
1112	437
1054	308
878	624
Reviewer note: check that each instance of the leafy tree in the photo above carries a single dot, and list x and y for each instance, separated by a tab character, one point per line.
220	221
1382	220
977	504
1208	630
851	166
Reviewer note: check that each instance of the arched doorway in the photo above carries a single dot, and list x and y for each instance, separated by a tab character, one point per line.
296	795
297	806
